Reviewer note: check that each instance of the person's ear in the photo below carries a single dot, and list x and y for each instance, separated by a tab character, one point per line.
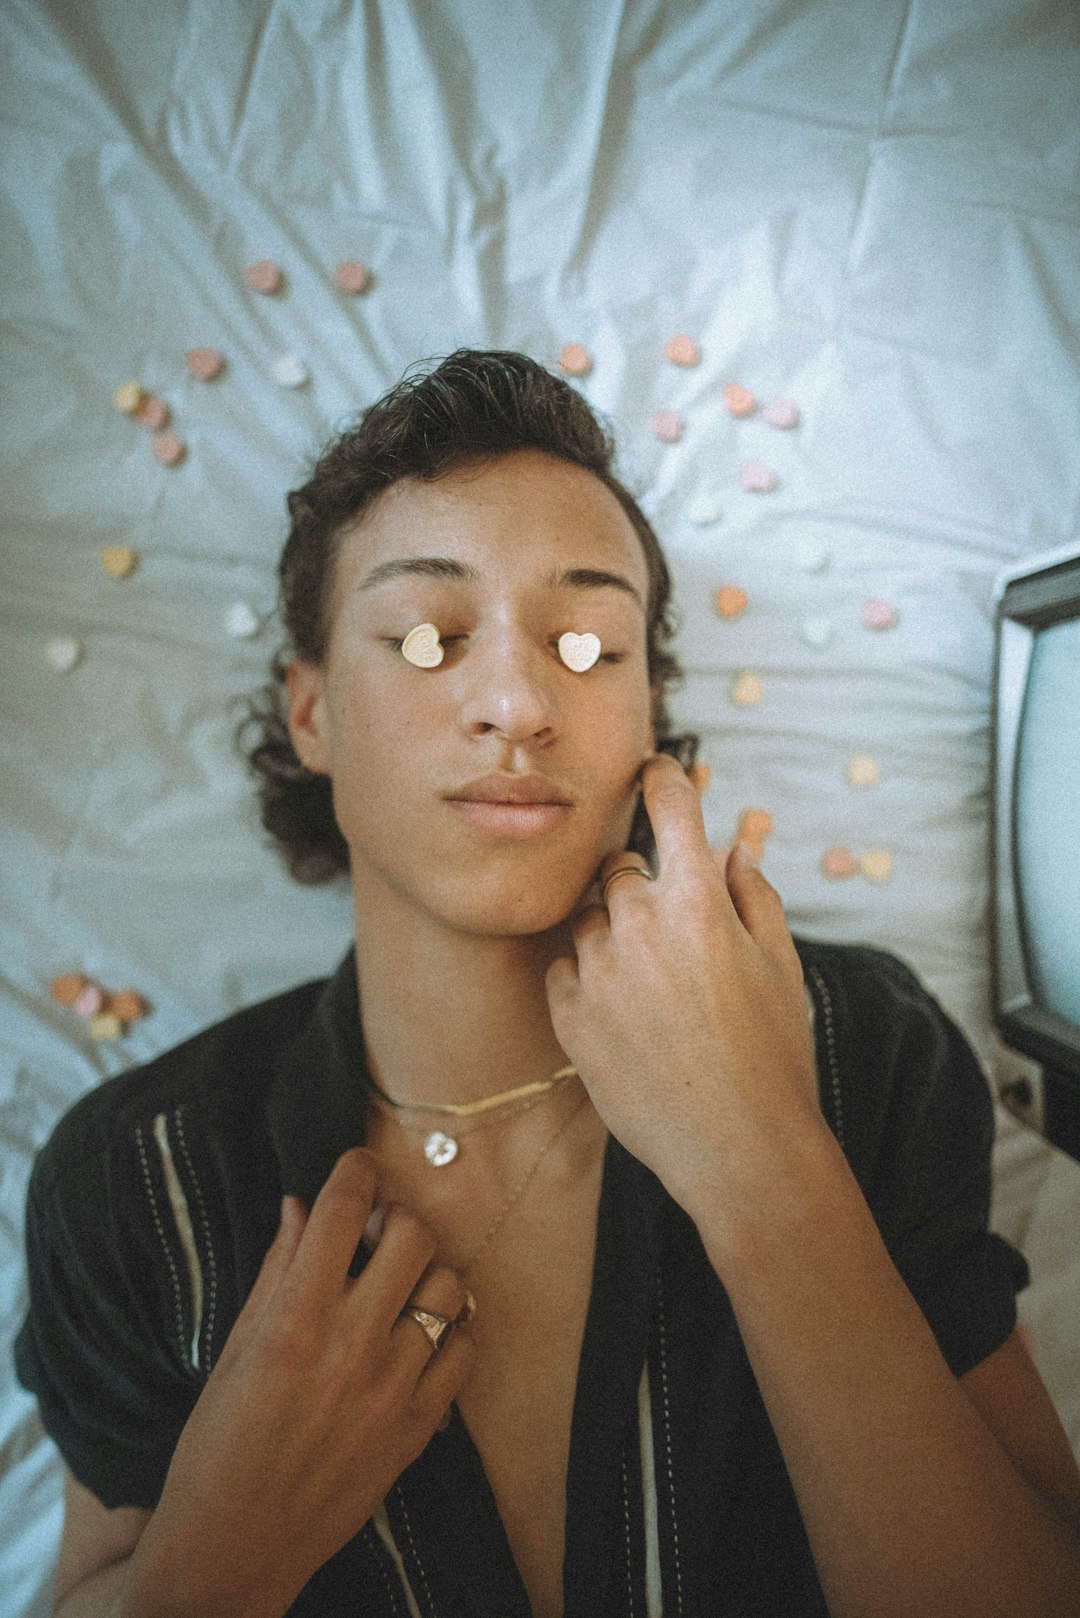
306	692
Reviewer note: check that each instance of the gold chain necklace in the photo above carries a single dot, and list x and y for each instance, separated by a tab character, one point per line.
520	1189
441	1148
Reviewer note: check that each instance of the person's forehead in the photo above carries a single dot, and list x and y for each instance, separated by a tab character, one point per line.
498	514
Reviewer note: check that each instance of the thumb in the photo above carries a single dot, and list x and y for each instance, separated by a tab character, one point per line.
561	981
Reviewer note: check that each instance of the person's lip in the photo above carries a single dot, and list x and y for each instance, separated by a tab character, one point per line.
509	789
507	819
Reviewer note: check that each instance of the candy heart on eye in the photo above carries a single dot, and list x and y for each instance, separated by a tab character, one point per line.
579	652
421	646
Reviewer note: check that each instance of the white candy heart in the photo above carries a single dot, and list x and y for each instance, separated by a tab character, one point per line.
579	652
421	646
242	621
289	371
63	654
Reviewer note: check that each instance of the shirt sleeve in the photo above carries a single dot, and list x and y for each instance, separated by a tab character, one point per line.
931	1188
112	1389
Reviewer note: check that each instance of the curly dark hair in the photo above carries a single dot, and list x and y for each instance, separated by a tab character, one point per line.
470	407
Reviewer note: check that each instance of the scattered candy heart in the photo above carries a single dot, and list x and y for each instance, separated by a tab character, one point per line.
878	615
151	412
682	350
862	771
106	1025
877	865
816	632
757	478
667	425
754	826
205	363
781	413
837	863
63	653
169	448
242	621
352	276
729	601
128	397
747	690
704	511
89	1001
265	277
738	401
810	556
289	371
119	561
575	360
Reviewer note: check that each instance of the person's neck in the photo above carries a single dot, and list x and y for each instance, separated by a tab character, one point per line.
449	1016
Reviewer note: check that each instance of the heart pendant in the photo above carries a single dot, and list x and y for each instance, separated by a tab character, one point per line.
579	652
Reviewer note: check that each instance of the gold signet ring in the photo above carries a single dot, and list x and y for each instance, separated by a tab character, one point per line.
436	1328
625	870
421	646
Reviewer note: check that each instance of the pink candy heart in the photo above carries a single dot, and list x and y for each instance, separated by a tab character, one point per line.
758	478
781	413
668	426
878	615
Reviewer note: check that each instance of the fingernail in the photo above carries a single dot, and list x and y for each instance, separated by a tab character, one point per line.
374	1228
747	856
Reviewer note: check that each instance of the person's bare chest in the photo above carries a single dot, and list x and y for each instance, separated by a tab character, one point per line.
518	1403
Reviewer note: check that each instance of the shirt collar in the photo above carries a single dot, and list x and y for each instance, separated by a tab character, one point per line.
316	1108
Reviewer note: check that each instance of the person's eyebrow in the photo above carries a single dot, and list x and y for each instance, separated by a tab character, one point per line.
446	567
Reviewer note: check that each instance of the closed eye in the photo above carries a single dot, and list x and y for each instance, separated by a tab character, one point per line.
448	640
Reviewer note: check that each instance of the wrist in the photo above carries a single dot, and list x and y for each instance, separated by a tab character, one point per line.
763	1199
169	1579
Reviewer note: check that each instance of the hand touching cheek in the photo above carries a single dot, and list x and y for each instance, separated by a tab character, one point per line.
684	1010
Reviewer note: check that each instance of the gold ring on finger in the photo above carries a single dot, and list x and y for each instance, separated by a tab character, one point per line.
436	1328
625	870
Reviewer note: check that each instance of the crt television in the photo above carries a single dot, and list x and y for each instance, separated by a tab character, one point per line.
1035	838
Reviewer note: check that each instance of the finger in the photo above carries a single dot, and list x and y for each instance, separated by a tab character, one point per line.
625	860
673	806
440	1291
443	1377
591	924
406	1248
280	1253
562	982
759	907
335	1225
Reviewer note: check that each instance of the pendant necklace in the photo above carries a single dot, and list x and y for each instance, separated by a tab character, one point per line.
441	1147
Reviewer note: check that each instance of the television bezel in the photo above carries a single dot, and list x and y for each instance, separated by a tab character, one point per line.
1032	596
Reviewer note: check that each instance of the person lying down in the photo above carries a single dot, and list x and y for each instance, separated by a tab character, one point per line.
586	1244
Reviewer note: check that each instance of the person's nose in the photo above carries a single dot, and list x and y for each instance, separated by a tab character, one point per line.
510	685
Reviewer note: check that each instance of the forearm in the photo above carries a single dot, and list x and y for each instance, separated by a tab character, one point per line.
101	1596
911	1507
125	1589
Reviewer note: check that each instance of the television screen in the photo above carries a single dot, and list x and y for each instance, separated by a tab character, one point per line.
1047	840
1035	846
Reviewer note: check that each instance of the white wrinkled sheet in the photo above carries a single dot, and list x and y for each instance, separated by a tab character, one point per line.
869	206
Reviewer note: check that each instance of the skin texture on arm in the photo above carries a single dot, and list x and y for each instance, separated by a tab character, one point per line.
922	1496
91	1572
